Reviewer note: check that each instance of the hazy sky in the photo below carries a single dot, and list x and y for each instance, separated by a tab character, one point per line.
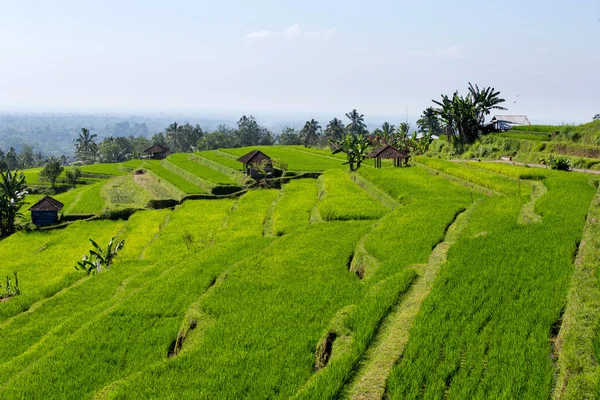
292	57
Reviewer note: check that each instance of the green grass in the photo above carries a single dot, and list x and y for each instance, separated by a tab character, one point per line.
292	211
495	182
221	158
251	286
295	159
525	135
200	170
536	128
44	260
123	192
483	331
344	200
185	186
88	201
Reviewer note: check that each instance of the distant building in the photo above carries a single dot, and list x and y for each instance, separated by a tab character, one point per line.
501	123
388	152
157	152
256	157
45	211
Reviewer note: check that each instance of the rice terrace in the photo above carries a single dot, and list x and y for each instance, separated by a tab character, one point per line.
320	200
435	279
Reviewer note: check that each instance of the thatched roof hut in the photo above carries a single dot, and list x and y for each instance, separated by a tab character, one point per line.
157	152
389	152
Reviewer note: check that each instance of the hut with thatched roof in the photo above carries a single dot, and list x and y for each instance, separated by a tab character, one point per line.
45	211
157	152
252	160
388	152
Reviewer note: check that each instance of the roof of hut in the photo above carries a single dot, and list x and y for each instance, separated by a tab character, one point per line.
157	148
254	157
512	119
47	203
387	151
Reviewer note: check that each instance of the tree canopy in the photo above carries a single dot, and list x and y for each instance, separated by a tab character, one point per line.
464	116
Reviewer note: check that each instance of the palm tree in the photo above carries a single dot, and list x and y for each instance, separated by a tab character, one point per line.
485	100
310	132
357	124
387	132
86	147
429	122
334	130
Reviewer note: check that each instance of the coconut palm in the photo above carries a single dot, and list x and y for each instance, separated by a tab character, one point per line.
485	100
357	124
310	133
334	130
85	146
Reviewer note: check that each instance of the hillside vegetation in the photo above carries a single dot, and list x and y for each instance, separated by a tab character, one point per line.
437	280
530	144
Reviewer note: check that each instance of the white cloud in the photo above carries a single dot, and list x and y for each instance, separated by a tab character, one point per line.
253	36
292	32
457	51
453	52
321	34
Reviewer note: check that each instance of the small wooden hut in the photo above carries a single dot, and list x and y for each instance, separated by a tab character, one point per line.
254	158
388	152
157	152
45	211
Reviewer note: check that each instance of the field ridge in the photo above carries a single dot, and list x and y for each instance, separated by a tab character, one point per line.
577	365
390	342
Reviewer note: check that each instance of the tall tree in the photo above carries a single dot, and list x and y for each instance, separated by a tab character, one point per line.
11	158
464	116
596	117
52	171
429	122
289	136
385	134
86	148
27	158
250	133
334	129
357	124
13	189
485	100
310	133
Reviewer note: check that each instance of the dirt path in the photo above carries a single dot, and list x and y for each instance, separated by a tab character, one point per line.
391	340
586	171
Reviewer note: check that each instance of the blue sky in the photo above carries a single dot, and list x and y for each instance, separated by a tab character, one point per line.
298	57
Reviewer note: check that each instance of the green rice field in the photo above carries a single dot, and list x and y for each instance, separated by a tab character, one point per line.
441	280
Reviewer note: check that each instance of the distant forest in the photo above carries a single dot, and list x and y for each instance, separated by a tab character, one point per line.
55	134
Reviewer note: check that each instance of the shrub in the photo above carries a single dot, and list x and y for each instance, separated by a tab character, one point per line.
9	289
560	163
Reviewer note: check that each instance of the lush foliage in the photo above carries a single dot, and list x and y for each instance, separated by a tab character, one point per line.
51	171
10	289
463	116
99	258
13	190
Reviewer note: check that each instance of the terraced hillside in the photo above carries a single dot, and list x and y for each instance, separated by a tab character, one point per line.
440	280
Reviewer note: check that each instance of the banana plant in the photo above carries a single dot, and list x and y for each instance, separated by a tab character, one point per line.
99	258
355	146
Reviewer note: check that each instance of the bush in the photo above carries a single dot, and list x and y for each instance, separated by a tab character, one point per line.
559	163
